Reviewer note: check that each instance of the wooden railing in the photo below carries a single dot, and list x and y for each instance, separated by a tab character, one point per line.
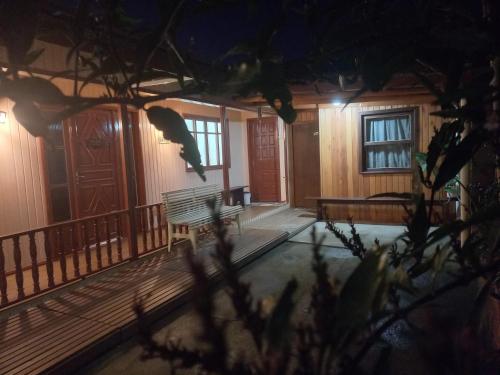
152	227
41	259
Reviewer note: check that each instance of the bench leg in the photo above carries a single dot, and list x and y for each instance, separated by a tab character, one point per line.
193	236
170	234
238	222
319	211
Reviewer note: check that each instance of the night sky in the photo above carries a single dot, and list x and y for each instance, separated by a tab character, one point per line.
210	33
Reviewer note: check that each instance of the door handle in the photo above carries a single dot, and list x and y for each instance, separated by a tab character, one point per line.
78	176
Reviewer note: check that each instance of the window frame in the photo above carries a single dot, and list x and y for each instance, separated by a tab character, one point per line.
207	119
412	113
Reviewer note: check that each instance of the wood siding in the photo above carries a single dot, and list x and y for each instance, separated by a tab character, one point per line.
164	170
23	204
340	166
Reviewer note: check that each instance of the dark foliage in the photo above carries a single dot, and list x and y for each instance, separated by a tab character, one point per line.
452	48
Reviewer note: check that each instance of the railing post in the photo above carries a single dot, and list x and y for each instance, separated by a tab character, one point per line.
131	179
226	157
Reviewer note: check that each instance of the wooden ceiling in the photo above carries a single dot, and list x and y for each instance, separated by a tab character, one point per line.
402	88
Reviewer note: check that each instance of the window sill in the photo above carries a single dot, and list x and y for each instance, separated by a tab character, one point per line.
209	168
388	171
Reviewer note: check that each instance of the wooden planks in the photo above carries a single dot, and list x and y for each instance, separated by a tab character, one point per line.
54	335
340	162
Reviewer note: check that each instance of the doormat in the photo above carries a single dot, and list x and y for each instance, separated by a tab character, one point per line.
308	215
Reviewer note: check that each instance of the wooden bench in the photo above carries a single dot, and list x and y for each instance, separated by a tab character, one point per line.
322	201
188	207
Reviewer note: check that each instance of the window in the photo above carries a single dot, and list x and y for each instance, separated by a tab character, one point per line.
388	140
208	136
57	179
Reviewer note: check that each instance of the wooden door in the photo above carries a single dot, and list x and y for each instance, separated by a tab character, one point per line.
95	163
263	150
305	158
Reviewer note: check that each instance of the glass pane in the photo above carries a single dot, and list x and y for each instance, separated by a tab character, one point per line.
55	134
212	149
211	127
56	165
202	147
220	149
200	126
219	128
60	204
189	124
388	129
388	156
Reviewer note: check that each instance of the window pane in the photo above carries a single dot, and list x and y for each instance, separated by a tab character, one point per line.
388	129
189	124
56	165
200	140
219	128
60	204
212	149
200	126
388	156
211	127
220	148
55	134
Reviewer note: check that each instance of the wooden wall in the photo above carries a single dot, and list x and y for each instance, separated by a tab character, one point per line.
340	168
163	168
23	202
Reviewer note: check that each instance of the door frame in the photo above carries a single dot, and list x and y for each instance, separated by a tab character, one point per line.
251	156
290	157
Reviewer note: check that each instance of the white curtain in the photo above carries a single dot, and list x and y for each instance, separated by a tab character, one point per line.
388	155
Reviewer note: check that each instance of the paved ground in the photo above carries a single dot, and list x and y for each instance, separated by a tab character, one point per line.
268	276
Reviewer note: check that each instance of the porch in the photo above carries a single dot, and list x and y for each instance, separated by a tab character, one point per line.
56	331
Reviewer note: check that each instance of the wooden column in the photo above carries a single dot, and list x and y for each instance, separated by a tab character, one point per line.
131	179
226	157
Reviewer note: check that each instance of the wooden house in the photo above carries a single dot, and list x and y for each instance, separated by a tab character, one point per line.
65	198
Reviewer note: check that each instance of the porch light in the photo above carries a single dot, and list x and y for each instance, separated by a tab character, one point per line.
3	117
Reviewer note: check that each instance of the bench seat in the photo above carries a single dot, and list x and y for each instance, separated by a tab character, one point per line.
198	219
189	207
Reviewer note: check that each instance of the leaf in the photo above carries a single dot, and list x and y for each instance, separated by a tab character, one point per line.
383	363
32	89
32	56
442	139
278	324
361	290
457	157
18	27
174	129
31	118
490	213
109	66
274	89
402	280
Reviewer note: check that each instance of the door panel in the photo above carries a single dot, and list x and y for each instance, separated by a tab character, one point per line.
306	167
264	159
95	162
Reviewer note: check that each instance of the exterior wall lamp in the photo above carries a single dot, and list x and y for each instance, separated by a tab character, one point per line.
3	117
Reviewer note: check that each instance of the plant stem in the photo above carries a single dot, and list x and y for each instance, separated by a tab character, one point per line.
400	314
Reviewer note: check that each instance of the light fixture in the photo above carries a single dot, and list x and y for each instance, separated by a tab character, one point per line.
3	117
337	102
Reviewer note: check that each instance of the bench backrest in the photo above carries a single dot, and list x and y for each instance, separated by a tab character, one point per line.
191	200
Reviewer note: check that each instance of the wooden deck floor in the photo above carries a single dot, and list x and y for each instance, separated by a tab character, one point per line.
60	331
